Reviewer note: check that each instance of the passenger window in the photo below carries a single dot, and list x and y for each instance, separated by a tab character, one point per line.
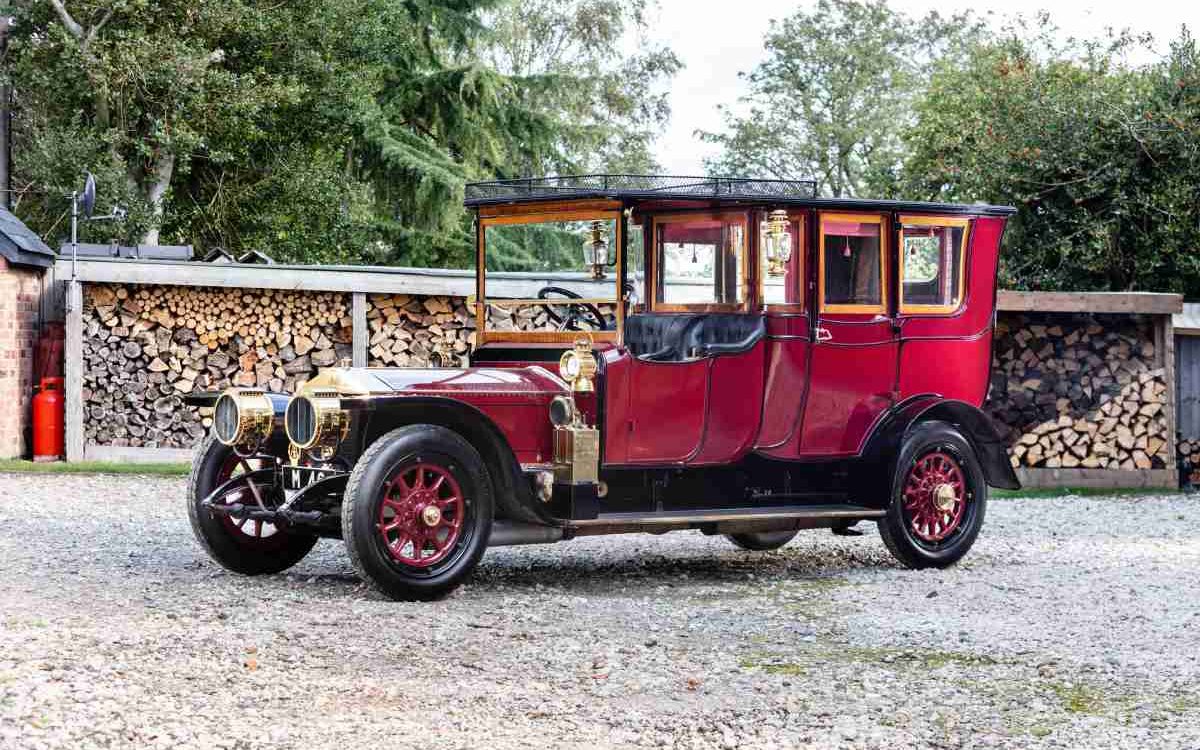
635	266
852	264
781	259
700	260
931	264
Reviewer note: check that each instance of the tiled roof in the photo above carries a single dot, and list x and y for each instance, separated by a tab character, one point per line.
19	245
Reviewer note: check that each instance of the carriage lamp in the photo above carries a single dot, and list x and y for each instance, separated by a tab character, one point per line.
778	245
243	417
578	366
595	250
316	422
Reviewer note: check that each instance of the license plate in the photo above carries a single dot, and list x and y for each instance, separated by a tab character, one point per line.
299	477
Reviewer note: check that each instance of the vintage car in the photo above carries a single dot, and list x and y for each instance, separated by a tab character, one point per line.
652	354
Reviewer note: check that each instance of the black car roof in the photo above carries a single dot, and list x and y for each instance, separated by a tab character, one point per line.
724	190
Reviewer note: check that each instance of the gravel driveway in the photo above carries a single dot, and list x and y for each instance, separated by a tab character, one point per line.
1075	622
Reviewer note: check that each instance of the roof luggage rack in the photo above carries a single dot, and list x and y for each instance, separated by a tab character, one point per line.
640	185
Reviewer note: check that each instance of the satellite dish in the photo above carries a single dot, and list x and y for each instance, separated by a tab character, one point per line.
87	201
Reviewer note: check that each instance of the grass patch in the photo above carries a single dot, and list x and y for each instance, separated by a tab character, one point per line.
774	667
1081	491
1078	699
94	467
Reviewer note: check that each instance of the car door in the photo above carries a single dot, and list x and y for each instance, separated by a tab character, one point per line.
853	364
783	291
699	267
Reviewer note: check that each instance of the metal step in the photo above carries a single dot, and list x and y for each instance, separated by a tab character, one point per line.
726	515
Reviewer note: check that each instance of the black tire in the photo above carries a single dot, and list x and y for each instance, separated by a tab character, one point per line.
221	538
929	443
761	541
387	461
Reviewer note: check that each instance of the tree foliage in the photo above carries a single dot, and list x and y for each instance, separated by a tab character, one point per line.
1101	159
314	130
832	97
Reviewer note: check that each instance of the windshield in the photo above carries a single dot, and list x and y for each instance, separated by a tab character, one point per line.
551	274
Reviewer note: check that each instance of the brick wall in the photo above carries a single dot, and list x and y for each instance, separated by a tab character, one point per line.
20	289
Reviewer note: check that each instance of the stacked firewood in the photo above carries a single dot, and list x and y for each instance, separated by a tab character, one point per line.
1081	393
1189	457
410	331
145	347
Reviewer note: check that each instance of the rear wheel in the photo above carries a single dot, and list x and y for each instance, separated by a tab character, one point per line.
242	545
418	512
939	496
761	541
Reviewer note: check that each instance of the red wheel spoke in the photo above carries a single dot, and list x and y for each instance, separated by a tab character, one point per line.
411	532
934	496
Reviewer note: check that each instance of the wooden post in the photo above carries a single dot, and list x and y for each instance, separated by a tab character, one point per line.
1165	333
360	333
73	371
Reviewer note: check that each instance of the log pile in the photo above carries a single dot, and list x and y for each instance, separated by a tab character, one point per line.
1079	392
410	331
146	346
1189	457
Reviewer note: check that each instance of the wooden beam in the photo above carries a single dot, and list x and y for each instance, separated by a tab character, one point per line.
1154	303
360	335
138	455
73	371
429	282
1097	478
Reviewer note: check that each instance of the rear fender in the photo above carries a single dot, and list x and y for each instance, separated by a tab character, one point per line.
513	494
889	435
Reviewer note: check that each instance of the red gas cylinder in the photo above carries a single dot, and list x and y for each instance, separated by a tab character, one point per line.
48	412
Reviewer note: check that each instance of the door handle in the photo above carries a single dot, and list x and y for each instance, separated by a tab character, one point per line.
823	334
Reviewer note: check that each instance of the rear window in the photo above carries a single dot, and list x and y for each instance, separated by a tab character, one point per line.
932	264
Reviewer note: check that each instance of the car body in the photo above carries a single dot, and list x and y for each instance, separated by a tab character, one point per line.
735	356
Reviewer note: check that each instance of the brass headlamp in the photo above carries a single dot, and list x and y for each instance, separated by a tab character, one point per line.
316	422
578	366
243	417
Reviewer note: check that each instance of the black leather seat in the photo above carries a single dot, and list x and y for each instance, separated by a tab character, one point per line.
678	337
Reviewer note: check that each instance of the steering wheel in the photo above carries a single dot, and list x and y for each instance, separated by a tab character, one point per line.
576	311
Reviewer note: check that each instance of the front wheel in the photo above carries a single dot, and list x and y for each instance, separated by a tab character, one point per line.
939	496
417	512
247	546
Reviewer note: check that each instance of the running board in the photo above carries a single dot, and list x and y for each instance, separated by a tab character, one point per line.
723	520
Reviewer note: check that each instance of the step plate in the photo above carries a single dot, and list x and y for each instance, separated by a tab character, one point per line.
720	515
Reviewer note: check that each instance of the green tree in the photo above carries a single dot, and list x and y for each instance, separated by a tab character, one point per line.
834	94
314	130
565	60
1100	158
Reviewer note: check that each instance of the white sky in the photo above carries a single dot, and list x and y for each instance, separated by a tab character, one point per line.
716	39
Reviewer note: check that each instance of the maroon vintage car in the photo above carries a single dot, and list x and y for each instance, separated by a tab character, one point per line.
651	354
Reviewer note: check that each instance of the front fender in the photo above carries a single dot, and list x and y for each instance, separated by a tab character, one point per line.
514	495
890	433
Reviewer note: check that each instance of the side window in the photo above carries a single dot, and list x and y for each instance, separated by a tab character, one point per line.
781	259
932	251
852	264
700	260
635	266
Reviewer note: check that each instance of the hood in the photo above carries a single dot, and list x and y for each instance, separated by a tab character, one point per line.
508	383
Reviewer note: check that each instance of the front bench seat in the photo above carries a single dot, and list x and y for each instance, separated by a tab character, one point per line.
679	337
